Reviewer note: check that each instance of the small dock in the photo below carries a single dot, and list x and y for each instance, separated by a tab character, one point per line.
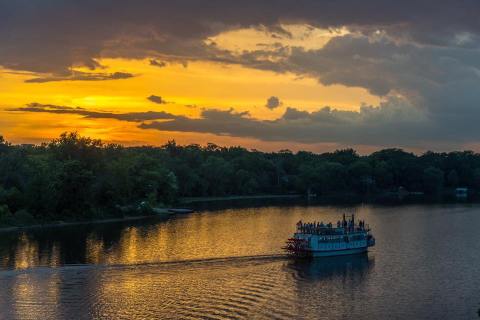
180	210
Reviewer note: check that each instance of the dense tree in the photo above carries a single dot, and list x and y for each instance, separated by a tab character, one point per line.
360	176
75	177
382	176
3	145
433	180
476	178
452	178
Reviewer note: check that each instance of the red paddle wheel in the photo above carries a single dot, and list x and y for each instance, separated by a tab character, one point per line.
296	247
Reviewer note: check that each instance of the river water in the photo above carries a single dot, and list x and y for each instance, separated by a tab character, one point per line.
228	264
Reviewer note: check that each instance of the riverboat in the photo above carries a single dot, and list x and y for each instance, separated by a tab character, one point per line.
317	239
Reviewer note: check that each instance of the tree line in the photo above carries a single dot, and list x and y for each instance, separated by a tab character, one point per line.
77	178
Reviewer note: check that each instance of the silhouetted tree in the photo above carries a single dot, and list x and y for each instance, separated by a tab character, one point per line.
75	177
452	179
432	180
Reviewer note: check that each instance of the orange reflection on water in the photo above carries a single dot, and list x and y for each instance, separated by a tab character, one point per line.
230	233
32	298
27	254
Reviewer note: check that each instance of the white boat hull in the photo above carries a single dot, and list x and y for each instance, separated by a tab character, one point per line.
331	253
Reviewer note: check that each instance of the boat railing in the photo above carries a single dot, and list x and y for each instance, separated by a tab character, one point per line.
332	230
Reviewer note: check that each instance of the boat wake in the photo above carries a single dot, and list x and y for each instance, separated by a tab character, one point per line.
220	261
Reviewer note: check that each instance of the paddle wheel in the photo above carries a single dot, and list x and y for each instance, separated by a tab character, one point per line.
296	247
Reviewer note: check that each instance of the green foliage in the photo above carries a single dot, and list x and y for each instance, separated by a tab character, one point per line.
23	217
382	175
216	174
476	178
4	211
360	175
3	145
433	180
452	179
75	177
5	215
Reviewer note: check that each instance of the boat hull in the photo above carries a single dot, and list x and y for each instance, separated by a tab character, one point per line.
331	253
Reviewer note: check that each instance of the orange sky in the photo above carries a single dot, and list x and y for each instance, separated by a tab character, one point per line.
186	88
367	75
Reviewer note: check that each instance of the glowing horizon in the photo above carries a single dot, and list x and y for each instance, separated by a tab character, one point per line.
298	75
186	91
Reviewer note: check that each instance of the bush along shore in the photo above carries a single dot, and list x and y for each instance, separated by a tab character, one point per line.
76	179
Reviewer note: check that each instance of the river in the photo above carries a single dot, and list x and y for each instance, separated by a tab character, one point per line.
228	264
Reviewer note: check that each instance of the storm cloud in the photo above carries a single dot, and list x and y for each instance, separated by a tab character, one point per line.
129	116
425	54
391	121
81	32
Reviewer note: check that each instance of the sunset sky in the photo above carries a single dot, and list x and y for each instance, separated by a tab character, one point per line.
306	74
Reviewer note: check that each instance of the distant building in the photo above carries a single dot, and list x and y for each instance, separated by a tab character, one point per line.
461	192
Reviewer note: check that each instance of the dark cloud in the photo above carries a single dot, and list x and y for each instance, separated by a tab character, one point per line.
157	99
441	82
379	126
82	76
157	63
428	53
78	33
130	116
392	123
273	103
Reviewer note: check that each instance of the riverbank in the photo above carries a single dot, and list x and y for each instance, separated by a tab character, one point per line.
189	200
215	203
162	213
76	223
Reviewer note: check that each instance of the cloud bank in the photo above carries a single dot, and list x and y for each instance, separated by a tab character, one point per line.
392	123
130	116
371	125
80	32
426	54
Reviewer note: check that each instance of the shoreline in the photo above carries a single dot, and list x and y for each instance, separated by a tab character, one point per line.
188	200
162	213
166	213
77	223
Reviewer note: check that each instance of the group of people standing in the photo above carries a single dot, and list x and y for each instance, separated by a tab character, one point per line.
312	227
319	227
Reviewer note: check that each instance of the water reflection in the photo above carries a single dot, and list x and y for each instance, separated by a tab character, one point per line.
231	233
342	267
327	287
228	264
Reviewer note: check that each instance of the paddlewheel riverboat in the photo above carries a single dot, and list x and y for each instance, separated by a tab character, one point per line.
317	239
